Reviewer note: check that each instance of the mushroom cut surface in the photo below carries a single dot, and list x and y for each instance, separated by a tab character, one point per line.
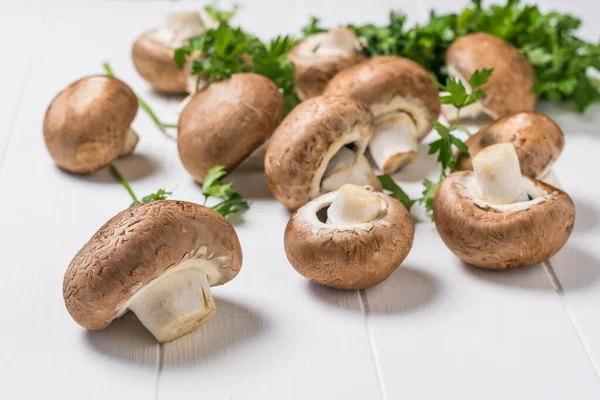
228	121
319	57
510	87
317	148
502	236
147	259
537	139
341	246
87	125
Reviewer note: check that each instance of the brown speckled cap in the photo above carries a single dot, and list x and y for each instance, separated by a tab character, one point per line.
137	246
87	125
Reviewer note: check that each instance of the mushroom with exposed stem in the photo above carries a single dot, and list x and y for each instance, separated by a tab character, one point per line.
318	148
537	139
353	238
88	124
319	57
509	89
152	53
403	98
157	259
227	122
495	218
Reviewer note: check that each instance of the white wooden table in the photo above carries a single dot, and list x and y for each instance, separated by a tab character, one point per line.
435	329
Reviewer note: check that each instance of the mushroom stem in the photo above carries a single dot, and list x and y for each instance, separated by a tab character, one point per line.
394	142
348	167
353	205
174	304
471	112
178	27
130	142
551	179
498	174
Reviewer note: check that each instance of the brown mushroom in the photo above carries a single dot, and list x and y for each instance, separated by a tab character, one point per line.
537	139
87	125
495	218
157	259
402	96
509	89
319	57
227	122
318	148
152	53
351	239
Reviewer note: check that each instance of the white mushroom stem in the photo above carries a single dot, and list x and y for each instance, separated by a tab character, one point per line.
178	27
174	304
338	42
394	142
551	179
348	167
130	142
498	175
353	205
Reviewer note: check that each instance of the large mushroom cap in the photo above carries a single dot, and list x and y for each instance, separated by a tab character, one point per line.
307	140
319	57
387	84
225	123
348	256
87	125
138	246
537	139
502	236
510	88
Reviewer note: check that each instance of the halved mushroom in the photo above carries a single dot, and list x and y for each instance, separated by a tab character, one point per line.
322	55
402	96
509	89
88	124
351	239
152	53
227	122
496	218
157	259
318	148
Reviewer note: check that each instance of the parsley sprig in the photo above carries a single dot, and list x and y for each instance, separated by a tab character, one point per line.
231	201
161	194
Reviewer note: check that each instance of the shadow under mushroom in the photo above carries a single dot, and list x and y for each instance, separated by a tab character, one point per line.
134	167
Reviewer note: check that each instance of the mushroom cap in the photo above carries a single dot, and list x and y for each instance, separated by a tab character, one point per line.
537	139
87	124
510	88
305	142
389	83
155	63
354	256
137	246
225	123
313	71
502	237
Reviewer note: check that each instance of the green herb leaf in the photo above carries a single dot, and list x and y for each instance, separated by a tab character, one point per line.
396	191
428	194
314	26
161	194
232	202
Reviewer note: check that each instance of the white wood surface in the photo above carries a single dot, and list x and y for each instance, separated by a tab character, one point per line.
435	329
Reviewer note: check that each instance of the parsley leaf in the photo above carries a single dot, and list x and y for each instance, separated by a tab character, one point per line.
161	194
232	202
396	191
314	26
428	194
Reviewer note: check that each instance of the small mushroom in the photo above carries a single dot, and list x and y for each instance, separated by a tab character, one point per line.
227	122
537	139
495	218
402	96
351	239
319	57
152	53
318	148
509	89
157	259
88	124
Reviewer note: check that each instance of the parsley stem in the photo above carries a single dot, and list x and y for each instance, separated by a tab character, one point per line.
117	175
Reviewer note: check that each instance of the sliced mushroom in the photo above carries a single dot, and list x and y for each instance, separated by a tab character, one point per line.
509	89
152	53
402	96
157	259
322	55
497	219
317	148
537	139
88	124
351	239
227	122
